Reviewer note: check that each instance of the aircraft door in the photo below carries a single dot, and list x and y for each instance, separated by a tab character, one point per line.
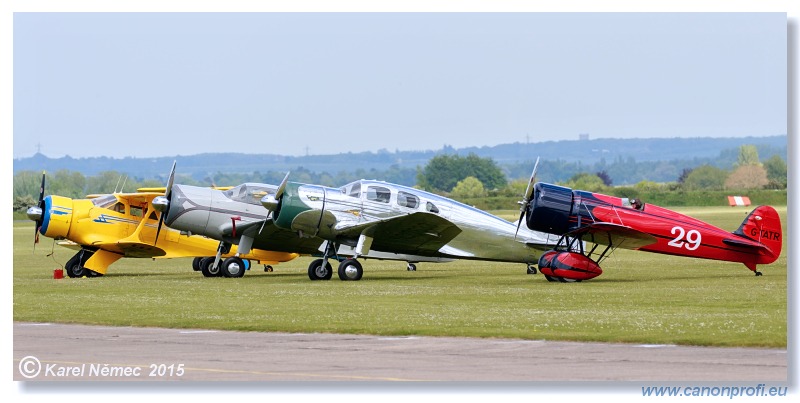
376	201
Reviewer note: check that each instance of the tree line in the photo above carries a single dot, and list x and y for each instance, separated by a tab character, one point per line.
461	177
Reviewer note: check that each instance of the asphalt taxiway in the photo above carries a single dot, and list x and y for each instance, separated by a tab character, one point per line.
64	352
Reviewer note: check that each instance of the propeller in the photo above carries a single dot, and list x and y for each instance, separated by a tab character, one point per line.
161	203
271	202
35	213
527	197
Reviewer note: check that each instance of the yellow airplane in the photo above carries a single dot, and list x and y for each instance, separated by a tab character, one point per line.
105	228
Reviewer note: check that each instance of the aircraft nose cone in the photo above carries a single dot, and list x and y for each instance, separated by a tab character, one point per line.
269	202
160	203
34	213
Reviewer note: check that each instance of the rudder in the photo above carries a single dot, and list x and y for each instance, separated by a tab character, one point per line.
764	225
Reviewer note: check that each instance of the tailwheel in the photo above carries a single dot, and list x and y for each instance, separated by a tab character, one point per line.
532	269
233	267
758	273
267	268
350	270
316	270
411	267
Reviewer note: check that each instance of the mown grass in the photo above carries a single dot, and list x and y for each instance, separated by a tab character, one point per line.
641	297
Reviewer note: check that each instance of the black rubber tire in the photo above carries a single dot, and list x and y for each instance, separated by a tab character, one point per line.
206	267
316	272
196	263
350	270
74	266
233	267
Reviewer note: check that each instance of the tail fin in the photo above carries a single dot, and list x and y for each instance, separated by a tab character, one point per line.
763	225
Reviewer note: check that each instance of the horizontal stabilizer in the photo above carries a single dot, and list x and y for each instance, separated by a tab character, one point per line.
743	243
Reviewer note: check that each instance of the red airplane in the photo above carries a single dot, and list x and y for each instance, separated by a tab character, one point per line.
616	222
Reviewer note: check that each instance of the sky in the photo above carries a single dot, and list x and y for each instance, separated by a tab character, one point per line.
163	84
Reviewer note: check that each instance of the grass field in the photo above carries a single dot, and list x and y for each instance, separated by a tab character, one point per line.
641	297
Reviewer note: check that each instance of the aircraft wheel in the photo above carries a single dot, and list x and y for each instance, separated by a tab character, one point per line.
318	272
532	269
411	267
75	264
196	263
206	267
350	270
233	267
267	268
551	278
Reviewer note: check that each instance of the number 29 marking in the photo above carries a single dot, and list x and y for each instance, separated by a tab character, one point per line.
691	240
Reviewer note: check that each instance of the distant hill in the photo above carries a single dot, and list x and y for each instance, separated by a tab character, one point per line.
515	158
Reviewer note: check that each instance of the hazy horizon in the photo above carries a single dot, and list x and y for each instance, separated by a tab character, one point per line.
158	84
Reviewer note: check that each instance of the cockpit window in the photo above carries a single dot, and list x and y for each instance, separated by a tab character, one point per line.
137	211
407	200
355	191
119	208
248	193
378	194
431	207
104	201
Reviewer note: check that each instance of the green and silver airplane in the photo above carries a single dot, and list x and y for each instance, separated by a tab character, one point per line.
362	220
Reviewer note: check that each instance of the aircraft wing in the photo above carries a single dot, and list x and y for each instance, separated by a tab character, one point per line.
127	248
618	236
131	248
135	197
415	233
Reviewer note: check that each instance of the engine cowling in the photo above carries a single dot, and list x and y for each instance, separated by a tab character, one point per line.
567	266
550	208
56	217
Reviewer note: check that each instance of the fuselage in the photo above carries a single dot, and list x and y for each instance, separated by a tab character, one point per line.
311	214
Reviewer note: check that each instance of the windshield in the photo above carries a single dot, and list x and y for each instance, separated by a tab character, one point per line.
249	193
104	201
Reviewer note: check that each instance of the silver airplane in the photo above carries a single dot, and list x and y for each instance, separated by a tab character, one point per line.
361	220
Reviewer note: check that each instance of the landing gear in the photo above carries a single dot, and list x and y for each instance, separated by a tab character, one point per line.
553	279
532	269
411	267
232	267
319	271
207	267
196	263
350	270
75	264
267	268
758	273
